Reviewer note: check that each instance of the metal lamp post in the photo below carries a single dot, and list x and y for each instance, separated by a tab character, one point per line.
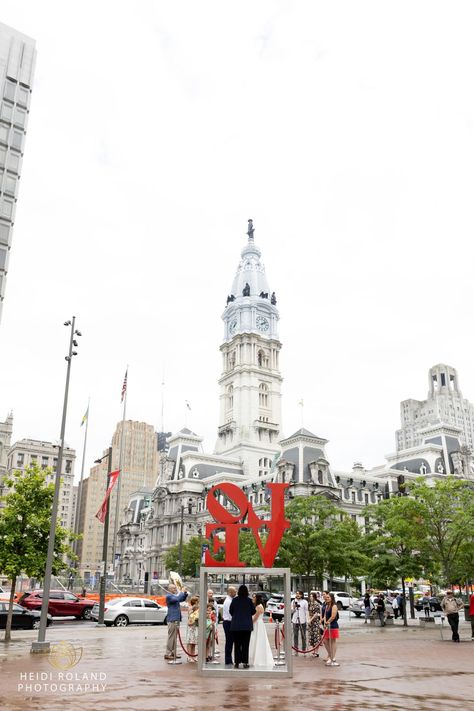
103	576
41	645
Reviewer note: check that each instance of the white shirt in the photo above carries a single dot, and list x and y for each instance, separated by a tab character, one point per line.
300	614
226	616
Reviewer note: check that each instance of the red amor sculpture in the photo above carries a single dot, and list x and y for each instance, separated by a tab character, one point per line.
247	519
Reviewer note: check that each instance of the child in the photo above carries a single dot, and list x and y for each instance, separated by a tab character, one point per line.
210	631
192	629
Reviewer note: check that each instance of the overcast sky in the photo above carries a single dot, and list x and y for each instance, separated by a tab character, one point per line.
344	129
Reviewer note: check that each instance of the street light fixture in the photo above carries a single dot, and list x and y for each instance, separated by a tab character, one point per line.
41	645
105	543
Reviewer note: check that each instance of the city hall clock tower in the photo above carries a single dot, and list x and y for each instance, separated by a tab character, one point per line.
250	384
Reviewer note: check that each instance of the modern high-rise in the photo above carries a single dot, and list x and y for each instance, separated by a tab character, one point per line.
444	404
139	469
17	63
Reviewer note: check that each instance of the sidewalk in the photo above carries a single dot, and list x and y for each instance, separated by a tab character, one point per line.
123	669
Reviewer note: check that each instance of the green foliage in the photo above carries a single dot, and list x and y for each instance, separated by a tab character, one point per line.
24	526
321	540
445	527
392	541
191	557
24	530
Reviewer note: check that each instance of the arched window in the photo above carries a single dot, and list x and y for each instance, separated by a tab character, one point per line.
263	395
230	397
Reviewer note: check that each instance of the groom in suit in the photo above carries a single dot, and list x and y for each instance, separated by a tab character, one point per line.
226	621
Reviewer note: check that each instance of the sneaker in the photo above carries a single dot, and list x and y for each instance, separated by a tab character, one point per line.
329	662
335	664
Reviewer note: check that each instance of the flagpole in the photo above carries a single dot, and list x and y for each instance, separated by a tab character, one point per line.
79	492
119	482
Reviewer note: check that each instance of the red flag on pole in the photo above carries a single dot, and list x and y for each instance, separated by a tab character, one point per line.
103	508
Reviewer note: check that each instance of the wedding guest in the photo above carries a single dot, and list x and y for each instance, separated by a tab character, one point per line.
192	628
210	631
242	610
314	630
329	617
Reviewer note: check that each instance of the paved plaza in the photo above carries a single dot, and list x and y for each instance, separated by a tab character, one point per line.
391	668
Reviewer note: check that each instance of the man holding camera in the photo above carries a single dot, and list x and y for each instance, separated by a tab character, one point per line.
299	618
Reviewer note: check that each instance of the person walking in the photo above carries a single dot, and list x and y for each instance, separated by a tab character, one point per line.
425	604
396	609
314	616
299	618
471	615
226	622
451	606
380	609
367	607
329	618
242	611
173	599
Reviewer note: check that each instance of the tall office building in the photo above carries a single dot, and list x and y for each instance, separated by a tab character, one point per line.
444	404
139	469
17	63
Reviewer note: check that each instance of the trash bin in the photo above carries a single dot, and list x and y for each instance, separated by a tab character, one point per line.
467	616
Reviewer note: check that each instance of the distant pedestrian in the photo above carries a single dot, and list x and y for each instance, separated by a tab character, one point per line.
380	609
367	607
330	617
401	604
451	606
425	604
173	600
314	621
471	615
395	606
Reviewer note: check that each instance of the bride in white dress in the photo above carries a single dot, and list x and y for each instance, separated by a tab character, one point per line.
260	652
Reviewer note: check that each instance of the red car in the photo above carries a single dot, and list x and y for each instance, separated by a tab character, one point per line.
62	603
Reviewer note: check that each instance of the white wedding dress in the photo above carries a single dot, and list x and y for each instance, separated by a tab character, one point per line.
260	652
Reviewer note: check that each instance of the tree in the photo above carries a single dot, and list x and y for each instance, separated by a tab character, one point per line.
24	530
191	560
446	526
393	541
321	539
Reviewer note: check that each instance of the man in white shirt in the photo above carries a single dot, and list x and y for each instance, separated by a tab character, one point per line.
299	618
226	620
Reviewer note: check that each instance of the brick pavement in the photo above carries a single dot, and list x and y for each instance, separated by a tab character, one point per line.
384	669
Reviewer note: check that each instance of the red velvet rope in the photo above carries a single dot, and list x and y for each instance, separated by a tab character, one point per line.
300	651
182	646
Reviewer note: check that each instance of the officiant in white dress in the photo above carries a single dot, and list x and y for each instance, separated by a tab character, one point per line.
260	652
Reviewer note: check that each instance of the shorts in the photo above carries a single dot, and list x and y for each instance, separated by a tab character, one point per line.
334	634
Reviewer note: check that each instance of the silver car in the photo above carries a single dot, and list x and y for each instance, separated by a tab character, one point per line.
123	611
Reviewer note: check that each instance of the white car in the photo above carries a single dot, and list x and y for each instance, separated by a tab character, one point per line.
343	600
123	611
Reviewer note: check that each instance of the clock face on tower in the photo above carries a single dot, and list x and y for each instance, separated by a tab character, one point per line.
233	326
262	323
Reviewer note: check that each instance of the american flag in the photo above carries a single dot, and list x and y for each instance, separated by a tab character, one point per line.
124	386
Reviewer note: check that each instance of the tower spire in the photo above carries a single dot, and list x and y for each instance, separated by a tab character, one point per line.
250	230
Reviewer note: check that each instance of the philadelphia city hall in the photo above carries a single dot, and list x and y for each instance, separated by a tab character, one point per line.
435	439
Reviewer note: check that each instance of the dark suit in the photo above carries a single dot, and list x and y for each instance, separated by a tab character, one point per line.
242	609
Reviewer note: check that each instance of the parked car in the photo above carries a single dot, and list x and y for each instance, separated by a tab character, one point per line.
357	607
276	607
22	619
343	599
123	611
435	604
61	603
